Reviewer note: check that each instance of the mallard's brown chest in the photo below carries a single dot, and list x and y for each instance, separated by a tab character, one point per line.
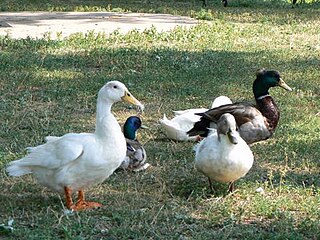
270	111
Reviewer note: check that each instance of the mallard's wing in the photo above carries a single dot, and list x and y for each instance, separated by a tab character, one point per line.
136	153
243	113
132	147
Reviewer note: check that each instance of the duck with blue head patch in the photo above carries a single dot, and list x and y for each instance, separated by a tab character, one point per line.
136	156
255	122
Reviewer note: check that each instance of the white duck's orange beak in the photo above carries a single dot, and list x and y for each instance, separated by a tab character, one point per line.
128	97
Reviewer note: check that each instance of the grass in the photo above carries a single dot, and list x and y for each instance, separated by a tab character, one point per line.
49	88
184	7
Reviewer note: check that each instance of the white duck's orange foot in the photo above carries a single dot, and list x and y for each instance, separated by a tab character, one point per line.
83	205
198	138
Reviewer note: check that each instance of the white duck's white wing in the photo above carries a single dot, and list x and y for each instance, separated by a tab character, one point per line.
184	120
177	127
47	139
190	111
51	155
217	102
221	100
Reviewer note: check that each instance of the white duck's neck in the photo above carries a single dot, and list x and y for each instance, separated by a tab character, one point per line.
104	119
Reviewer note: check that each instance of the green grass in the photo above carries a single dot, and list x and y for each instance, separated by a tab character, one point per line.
49	88
186	7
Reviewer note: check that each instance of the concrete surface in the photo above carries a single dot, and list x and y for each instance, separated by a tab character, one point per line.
39	24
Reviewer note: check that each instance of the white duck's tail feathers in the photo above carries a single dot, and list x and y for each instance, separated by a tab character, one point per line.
26	164
16	169
164	119
30	149
51	138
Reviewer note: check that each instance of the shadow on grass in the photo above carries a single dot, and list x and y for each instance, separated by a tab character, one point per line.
283	228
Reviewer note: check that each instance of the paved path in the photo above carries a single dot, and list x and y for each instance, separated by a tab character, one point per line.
38	24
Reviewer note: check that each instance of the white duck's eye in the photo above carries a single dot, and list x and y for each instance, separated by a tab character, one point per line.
115	86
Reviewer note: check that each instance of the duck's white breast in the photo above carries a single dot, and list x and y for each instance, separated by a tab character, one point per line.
223	161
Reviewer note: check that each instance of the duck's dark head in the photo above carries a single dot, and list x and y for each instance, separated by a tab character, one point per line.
265	80
131	126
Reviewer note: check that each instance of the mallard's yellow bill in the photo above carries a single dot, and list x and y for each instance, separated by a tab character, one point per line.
144	127
128	97
284	85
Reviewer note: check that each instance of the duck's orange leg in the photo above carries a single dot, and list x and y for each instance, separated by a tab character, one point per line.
81	204
68	193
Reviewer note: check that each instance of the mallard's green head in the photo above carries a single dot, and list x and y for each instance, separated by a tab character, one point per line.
131	126
265	80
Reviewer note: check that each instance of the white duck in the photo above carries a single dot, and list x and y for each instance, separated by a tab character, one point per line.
224	156
78	160
184	120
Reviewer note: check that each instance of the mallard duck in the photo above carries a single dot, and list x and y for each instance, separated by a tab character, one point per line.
255	122
136	157
224	156
177	127
76	161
